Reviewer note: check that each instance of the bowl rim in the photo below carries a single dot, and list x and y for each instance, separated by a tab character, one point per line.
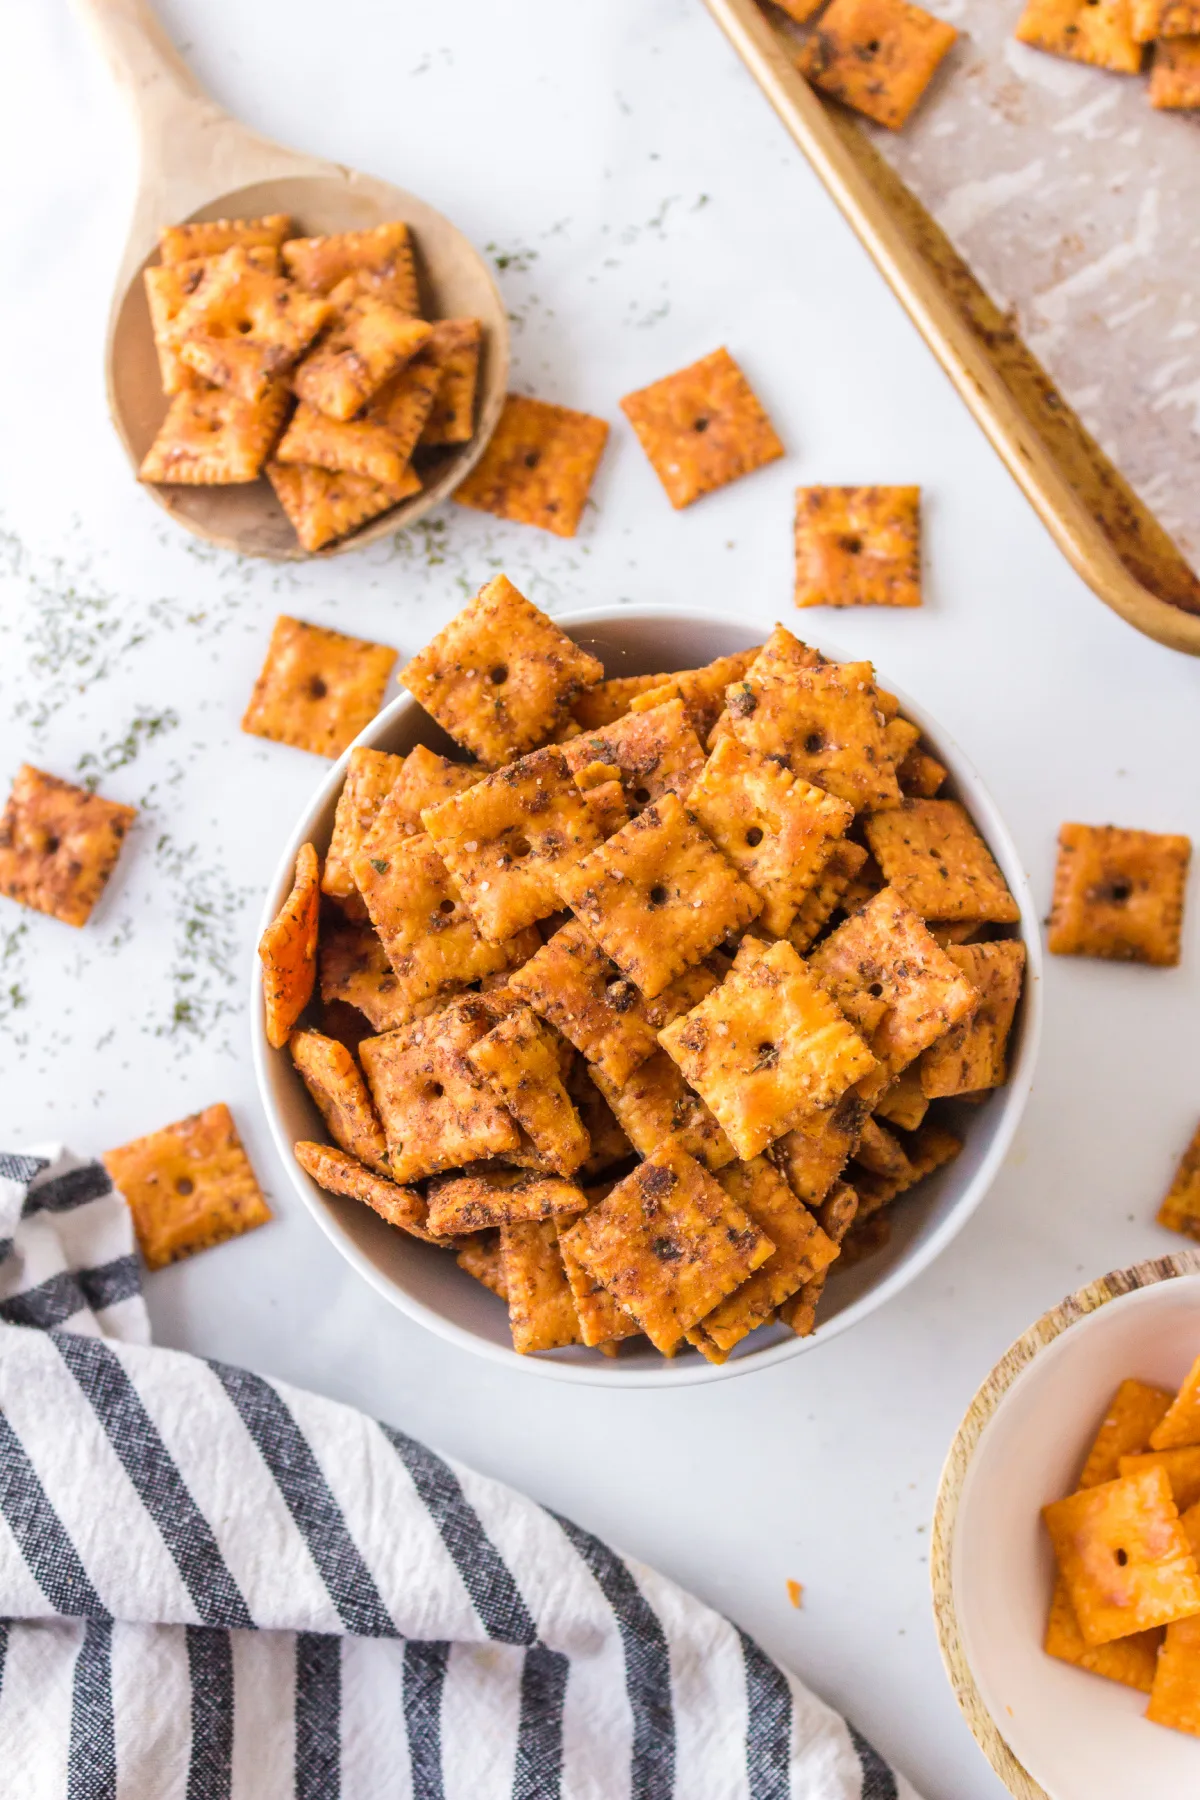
1118	1286
684	1372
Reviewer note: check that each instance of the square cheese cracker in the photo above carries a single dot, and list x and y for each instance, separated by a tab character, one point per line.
318	688
702	428
538	467
1119	894
58	845
877	56
189	1186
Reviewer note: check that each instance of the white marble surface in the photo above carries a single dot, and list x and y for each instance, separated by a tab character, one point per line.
650	208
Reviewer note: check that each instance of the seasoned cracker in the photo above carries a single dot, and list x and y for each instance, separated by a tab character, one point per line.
877	56
1180	1209
419	912
601	1321
766	1049
1182	1470
824	724
355	971
802	1252
425	781
668	1244
927	1149
659	895
501	675
332	1077
610	700
1090	31
244	327
1175	87
367	341
169	286
656	752
836	1216
610	1146
59	845
1119	894
480	1257
541	1312
881	1151
1133	1412
1129	1660
701	428
701	690
211	437
1124	1556
775	827
288	951
654	1106
858	546
454	351
212	237
370	777
1150	19
404	403
189	1186
359	447
519	1061
814	1154
829	893
341	1174
1180	1424
904	1103
920	775
935	859
379	259
464	1203
436	1112
318	688
538	467
323	506
972	1055
510	838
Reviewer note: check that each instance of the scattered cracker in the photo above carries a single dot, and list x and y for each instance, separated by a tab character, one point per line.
367	342
244	327
520	1062
538	466
824	723
212	237
858	546
1180	1209
189	1186
657	752
836	1216
1090	31
318	688
332	1077
668	1244
766	1049
418	910
454	350
355	971
463	1203
1124	1557
541	1312
370	777
1119	894
58	845
972	1056
381	261
1175	87
212	438
341	1174
1180	1424
658	896
288	951
654	1106
935	859
501	675
701	428
877	56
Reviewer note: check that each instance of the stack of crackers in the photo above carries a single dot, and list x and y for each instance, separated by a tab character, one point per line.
305	359
668	982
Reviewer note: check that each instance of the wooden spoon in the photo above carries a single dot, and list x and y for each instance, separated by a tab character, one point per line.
197	162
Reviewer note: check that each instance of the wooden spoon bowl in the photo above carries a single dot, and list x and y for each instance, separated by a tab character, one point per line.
197	162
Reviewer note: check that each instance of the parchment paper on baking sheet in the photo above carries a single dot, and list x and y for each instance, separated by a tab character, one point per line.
1077	206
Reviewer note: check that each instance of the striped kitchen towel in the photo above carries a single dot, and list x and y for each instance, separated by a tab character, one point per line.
217	1587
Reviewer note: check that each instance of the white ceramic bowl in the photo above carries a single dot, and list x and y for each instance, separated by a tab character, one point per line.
427	1284
1048	1728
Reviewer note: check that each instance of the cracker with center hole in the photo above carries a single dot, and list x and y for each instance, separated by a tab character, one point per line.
656	752
464	1203
333	1079
344	1175
823	724
370	777
367	342
59	845
354	969
169	286
436	1112
521	1064
288	950
323	506
318	688
654	1106
836	1216
973	1054
501	675
1129	1660
1180	1209
935	859
775	827
541	1312
380	259
538	467
610	700
454	351
420	915
1182	1470
1175	76
510	838
668	1244
802	1252
1124	1556
878	56
1119	894
1180	1424
858	546
601	1320
659	895
920	775
904	1103
244	327
766	1049
842	867
1090	31
610	1145
701	690
359	447
480	1257
189	1186
212	438
1133	1412
701	428
212	237
814	1154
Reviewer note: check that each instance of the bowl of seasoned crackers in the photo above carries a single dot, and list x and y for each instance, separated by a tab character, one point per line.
641	1001
1066	1547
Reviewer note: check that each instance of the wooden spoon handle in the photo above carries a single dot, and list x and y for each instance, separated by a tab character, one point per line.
143	61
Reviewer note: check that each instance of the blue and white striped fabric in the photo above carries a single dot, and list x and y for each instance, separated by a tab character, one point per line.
217	1587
